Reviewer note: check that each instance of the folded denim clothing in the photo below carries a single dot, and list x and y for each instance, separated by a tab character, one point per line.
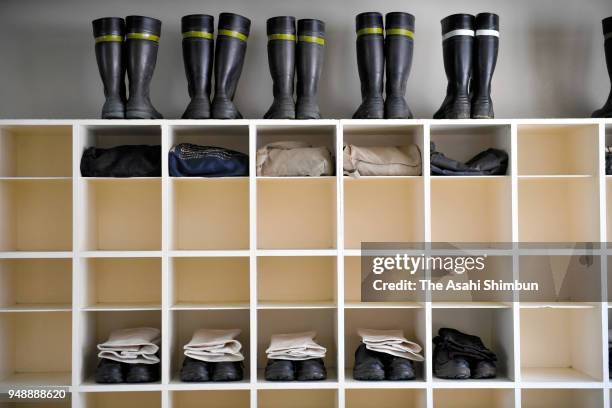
132	346
491	162
382	160
214	346
294	159
189	160
295	346
122	161
391	342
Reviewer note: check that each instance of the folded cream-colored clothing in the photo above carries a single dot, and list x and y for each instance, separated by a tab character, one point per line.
134	346
214	346
382	160
294	159
295	346
391	342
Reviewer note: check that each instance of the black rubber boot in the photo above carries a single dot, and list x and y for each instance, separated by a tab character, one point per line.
310	49
368	365
109	372
606	110
458	52
142	44
195	370
485	59
281	58
227	371
310	370
399	45
232	35
279	370
109	33
370	64
198	52
142	373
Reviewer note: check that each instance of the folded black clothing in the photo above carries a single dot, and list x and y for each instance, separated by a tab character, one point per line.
609	160
189	160
491	162
122	161
114	372
462	344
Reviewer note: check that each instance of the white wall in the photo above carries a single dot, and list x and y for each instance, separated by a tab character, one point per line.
551	60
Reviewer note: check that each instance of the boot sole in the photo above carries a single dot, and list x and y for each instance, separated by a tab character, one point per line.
369	375
138	114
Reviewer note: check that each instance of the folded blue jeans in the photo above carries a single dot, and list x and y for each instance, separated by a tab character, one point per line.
189	160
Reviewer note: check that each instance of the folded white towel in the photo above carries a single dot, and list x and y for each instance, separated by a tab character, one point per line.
214	346
133	346
295	346
391	342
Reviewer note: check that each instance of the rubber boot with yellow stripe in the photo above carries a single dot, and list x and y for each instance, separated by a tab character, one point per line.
399	46
370	64
310	50
281	59
198	49
485	58
109	34
606	110
232	36
142	40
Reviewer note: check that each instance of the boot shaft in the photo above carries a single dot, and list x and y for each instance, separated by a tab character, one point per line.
198	50
486	50
607	32
458	44
232	35
399	47
281	54
109	34
142	41
310	48
370	53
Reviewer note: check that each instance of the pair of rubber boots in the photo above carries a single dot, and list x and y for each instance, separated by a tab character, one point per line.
201	371
127	45
229	52
303	370
459	356
606	110
470	46
373	48
375	366
114	372
289	54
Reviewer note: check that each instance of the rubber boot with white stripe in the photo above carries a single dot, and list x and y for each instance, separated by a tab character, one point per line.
606	111
486	49
458	53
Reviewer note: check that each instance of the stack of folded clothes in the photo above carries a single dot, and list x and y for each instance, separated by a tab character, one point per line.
122	161
295	356
491	162
460	356
189	160
381	160
294	159
129	355
213	355
385	355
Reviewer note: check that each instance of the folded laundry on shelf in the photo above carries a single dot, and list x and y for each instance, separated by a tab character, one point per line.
608	160
122	161
190	160
132	346
491	162
295	346
214	346
294	159
382	160
391	342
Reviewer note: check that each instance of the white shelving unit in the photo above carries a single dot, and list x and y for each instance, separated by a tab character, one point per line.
80	257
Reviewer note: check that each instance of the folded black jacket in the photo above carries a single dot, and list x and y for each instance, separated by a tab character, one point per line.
491	162
122	161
